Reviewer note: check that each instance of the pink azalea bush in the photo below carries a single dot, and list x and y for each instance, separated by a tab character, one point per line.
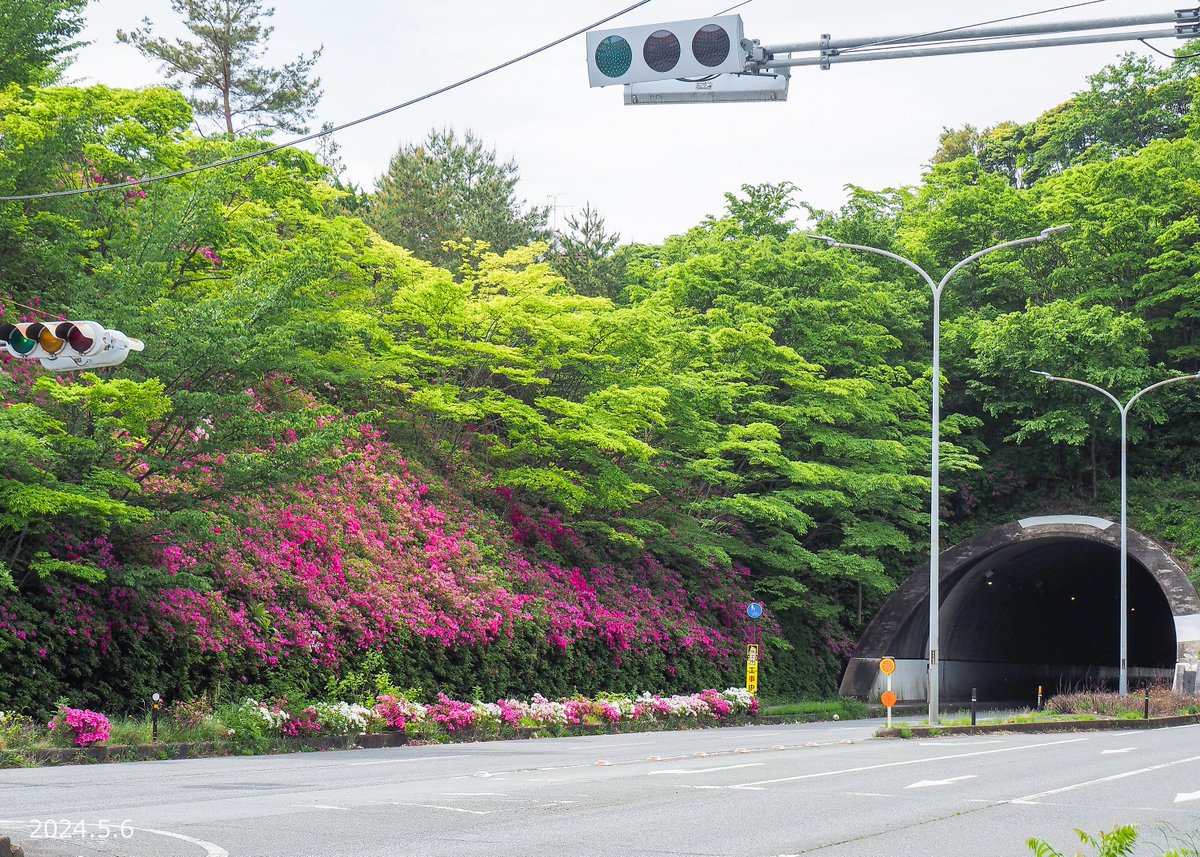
81	727
362	558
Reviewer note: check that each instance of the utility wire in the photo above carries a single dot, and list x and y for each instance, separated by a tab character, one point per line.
731	8
325	132
1167	55
907	39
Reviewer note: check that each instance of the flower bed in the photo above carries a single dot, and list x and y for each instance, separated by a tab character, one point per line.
262	726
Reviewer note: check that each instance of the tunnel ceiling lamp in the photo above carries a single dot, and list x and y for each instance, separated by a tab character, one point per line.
1123	409
936	287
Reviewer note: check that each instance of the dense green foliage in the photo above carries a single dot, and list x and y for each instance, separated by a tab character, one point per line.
527	467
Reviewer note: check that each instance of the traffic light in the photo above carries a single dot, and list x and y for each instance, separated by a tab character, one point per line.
63	346
697	48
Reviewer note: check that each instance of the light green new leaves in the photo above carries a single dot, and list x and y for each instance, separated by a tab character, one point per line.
62	464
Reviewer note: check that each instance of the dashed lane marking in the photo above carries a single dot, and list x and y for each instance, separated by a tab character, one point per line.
446	808
705	770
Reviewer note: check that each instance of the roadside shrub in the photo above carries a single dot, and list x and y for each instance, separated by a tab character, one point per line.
78	727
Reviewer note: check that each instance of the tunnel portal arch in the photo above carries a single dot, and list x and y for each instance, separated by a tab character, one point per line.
1032	603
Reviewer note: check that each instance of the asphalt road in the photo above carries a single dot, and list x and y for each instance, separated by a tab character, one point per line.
763	791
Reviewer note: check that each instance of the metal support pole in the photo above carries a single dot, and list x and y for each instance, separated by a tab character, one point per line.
934	685
1123	409
826	42
833	57
1123	656
974	699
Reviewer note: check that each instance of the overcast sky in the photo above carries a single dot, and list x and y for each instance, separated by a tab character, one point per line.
651	171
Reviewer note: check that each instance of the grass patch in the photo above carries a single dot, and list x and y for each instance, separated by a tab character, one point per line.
843	709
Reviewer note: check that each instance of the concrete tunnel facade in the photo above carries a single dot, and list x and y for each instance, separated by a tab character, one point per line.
1034	603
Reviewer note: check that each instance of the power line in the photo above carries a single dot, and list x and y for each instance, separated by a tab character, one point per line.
326	131
968	26
731	8
1167	55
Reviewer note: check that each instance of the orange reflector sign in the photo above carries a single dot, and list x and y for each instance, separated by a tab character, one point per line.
888	699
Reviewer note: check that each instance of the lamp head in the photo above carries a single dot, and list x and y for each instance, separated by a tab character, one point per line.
1045	375
832	242
1051	231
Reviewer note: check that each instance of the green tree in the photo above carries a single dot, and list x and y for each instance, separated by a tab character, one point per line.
450	191
1093	344
585	254
36	39
221	66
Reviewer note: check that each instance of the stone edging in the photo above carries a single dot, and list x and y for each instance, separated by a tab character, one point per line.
190	750
1045	726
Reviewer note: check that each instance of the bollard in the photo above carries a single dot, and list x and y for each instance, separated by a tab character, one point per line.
974	698
1039	699
1147	703
157	698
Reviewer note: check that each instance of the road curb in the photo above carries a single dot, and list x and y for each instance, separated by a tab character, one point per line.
1036	727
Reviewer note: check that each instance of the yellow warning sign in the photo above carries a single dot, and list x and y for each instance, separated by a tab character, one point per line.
752	653
752	678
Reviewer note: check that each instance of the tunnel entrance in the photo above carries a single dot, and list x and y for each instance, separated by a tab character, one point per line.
1034	603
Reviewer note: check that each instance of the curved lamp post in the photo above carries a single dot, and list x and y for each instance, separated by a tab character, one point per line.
935	417
1123	666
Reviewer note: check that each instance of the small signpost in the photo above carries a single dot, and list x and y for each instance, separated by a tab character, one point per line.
753	610
887	666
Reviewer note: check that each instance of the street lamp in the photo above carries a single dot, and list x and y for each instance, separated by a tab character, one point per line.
1123	681
935	416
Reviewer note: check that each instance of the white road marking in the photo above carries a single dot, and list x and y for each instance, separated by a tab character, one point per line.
317	806
1186	796
867	794
717	788
473	794
1033	797
398	761
210	849
883	765
705	770
945	745
446	808
1122	750
927	783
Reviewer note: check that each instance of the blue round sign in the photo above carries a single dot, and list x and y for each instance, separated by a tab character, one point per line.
753	609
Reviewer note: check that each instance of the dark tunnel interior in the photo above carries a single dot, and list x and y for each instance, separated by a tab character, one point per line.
1047	613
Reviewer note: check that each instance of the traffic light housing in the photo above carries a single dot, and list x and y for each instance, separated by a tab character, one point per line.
67	345
696	48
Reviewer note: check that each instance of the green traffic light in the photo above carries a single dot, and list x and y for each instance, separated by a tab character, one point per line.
614	56
17	340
